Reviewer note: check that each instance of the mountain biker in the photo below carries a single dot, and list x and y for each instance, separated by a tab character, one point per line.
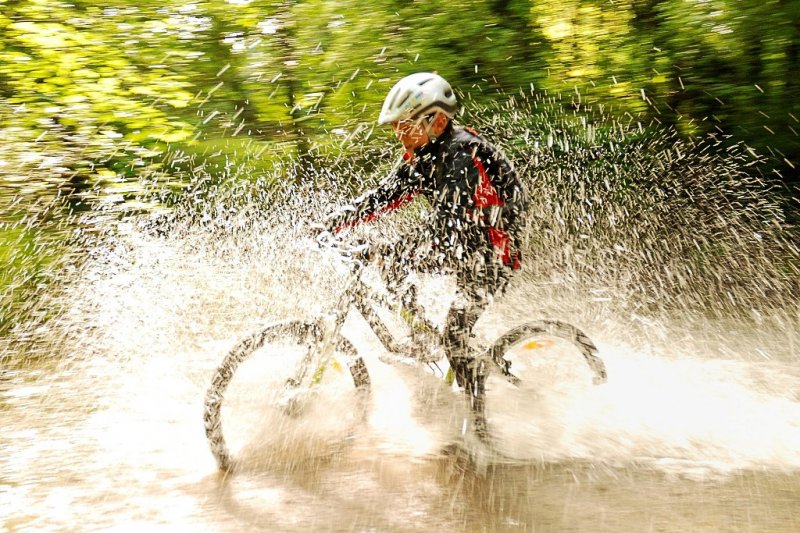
476	201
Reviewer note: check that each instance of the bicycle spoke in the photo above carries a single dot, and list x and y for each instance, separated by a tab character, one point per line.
243	402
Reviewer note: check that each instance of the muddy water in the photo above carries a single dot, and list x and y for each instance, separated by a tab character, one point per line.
698	428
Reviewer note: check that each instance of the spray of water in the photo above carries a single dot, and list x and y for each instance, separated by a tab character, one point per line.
674	256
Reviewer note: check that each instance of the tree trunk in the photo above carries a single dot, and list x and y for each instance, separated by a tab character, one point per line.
222	55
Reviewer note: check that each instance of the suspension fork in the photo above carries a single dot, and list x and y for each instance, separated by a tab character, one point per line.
325	333
361	301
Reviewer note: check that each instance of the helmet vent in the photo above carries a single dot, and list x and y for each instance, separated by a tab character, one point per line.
403	101
394	98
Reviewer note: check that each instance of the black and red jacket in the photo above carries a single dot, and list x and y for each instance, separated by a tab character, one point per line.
476	197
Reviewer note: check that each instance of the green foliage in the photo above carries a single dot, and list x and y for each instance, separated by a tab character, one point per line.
181	70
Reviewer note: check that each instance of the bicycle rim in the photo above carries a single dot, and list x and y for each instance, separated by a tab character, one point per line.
261	368
534	339
532	353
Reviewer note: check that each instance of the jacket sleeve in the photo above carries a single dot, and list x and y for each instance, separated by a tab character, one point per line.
397	190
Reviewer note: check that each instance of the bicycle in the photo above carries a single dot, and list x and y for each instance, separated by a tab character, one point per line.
319	348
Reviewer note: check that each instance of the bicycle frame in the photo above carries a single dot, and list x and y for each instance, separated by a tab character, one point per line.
481	360
363	298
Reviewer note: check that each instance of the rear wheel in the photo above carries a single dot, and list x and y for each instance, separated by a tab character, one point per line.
520	348
542	354
271	381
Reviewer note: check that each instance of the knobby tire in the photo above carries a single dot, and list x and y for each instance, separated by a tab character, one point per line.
308	333
499	364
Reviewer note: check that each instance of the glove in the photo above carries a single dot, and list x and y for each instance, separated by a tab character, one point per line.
338	219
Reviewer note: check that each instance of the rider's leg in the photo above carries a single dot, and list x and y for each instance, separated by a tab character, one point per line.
477	286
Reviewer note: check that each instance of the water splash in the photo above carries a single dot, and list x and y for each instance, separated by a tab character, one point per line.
676	259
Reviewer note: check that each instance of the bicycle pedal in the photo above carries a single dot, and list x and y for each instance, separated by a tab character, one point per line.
425	348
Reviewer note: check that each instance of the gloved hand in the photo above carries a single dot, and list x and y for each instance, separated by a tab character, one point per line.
339	219
355	249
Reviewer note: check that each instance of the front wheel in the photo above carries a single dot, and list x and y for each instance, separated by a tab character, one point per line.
274	376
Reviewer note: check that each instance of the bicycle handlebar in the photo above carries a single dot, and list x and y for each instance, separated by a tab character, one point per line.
326	240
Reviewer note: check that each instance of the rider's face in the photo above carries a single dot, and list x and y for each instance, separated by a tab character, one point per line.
411	133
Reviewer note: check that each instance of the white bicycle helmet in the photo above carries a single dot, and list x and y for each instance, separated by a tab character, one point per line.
418	95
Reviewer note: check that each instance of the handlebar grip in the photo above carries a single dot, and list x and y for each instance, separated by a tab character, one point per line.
326	239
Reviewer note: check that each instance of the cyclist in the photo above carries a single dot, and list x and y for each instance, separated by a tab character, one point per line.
476	201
